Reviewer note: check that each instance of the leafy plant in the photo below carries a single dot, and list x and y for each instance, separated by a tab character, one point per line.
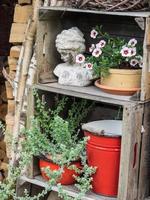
51	134
111	52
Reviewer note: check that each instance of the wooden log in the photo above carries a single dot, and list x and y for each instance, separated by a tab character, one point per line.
12	75
17	33
3	95
12	62
3	146
22	13
23	2
2	154
15	51
11	107
9	90
1	101
3	111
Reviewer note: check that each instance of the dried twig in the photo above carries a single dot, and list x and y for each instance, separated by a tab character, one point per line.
110	5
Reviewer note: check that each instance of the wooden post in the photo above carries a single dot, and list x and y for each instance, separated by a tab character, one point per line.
144	180
145	86
130	151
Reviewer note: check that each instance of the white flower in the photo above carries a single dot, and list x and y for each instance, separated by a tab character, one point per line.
132	42
141	64
97	52
92	47
94	34
89	66
125	52
101	44
134	62
80	58
132	51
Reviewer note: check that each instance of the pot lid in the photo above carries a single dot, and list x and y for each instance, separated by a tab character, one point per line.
104	127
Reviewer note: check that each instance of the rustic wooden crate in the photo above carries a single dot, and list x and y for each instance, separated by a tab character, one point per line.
131	174
133	181
117	24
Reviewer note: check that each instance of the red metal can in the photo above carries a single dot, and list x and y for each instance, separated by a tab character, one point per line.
103	152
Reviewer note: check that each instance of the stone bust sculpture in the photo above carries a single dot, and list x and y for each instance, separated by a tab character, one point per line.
69	44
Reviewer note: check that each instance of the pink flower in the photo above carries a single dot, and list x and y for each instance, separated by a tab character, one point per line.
134	62
132	42
125	52
92	47
97	52
89	66
132	51
101	44
80	58
94	34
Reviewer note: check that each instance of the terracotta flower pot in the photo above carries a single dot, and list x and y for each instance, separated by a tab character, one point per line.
121	81
67	176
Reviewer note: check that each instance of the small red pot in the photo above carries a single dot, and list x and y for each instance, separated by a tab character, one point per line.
67	176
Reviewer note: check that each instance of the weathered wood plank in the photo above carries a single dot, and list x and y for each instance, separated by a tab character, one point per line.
145	83
45	11
130	152
47	56
71	190
30	114
90	92
144	175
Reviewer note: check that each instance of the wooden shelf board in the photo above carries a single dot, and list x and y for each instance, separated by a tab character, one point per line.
71	190
57	10
90	92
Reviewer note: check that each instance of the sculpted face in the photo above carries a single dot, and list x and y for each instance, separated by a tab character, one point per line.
69	43
65	55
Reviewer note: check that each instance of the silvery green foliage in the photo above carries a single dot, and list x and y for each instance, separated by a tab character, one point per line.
64	140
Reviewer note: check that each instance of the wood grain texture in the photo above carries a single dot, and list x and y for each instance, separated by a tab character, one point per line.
144	181
45	11
46	51
131	143
145	82
17	33
90	92
22	2
70	190
15	51
22	13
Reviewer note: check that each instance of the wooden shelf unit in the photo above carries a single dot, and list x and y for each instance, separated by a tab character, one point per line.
70	190
135	151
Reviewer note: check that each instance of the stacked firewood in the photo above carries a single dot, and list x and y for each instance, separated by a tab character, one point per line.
22	13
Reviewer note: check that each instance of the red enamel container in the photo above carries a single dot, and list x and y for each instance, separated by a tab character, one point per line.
67	176
103	151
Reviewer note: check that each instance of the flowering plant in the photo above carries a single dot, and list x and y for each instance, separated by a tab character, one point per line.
111	52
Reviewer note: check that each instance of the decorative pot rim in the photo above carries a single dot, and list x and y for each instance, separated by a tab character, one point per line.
125	71
98	84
